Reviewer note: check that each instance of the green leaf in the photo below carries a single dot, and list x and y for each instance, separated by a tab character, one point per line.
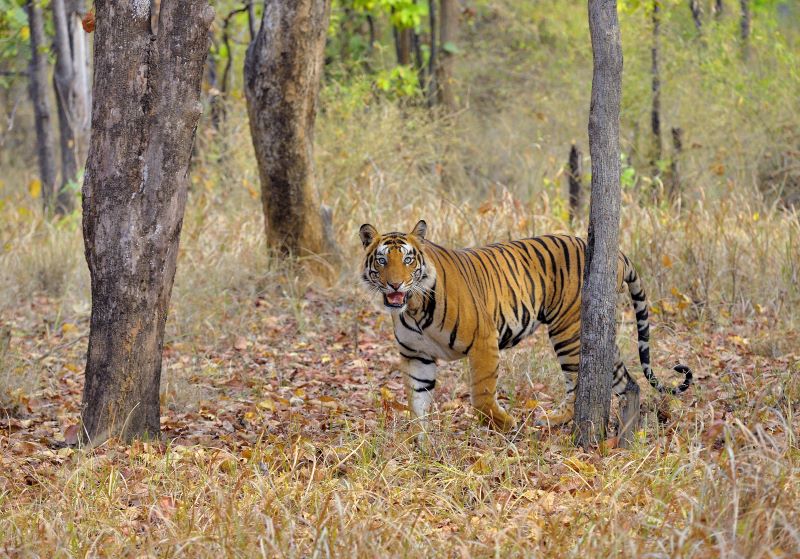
450	48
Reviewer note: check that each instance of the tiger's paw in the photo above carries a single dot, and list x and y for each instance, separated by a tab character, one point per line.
559	416
498	419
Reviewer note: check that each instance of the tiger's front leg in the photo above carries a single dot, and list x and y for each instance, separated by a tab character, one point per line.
420	375
484	360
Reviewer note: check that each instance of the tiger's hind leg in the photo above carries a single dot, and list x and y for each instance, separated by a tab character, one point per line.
566	339
484	360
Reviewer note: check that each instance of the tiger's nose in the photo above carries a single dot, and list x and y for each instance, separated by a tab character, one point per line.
395	286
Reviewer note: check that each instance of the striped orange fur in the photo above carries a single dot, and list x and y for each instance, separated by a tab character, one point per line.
449	304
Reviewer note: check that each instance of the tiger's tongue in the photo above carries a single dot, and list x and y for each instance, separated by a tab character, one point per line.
396	298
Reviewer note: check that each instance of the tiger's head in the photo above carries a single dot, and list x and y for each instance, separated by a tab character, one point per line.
395	264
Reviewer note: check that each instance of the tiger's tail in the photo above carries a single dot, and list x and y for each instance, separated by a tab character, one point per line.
639	301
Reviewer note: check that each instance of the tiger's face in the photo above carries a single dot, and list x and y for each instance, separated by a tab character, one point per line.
395	264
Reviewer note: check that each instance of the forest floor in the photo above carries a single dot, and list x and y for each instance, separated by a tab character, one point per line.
290	439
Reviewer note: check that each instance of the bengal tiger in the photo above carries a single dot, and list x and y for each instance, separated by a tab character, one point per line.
450	304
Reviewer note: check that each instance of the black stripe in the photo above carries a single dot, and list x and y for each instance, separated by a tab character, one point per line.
424	360
429	384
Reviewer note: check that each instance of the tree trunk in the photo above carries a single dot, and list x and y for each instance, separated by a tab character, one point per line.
697	14
655	72
402	38
448	28
719	8
45	150
146	108
575	182
282	72
677	151
744	28
432	90
598	302
64	81
82	81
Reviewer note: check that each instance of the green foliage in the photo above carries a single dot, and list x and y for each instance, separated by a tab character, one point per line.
14	39
398	82
404	14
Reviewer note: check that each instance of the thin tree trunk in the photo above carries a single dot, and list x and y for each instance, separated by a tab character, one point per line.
432	57
598	302
66	100
145	113
448	28
448	25
677	151
655	73
82	81
744	28
215	101
282	70
419	63
697	14
719	8
575	183
403	46
251	19
45	149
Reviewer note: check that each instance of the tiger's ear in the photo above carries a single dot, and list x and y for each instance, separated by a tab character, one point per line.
420	229
367	234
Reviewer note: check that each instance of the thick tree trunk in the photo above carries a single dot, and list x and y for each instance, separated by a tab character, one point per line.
282	72
598	349
448	28
45	149
146	108
655	72
575	182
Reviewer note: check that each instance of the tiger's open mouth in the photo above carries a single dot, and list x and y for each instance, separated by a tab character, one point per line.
396	299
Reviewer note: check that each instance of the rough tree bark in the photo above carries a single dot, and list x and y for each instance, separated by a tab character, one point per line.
148	69
598	324
282	72
71	95
448	28
37	74
575	182
655	73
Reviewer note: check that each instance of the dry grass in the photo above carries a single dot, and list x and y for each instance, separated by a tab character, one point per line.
721	477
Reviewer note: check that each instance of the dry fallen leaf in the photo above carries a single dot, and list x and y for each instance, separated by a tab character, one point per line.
71	435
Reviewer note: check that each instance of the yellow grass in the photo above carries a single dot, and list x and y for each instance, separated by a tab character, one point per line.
284	433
